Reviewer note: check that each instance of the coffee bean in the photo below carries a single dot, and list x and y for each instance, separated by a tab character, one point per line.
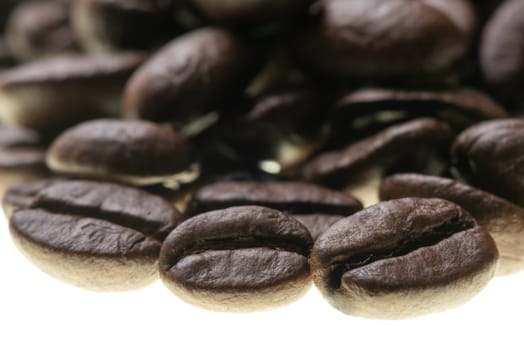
99	236
109	25
376	39
489	155
40	28
459	107
22	156
130	151
503	220
317	224
502	50
237	259
53	94
403	258
420	144
316	207
189	77
249	12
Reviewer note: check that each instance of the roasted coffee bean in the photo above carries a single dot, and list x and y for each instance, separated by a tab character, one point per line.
6	56
22	156
22	195
99	236
314	206
403	258
459	107
249	12
109	25
317	224
40	28
135	152
490	155
237	259
397	38
503	220
420	144
502	49
189	77
56	93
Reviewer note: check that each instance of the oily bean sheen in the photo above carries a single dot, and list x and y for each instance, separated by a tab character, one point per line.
238	259
131	151
403	258
316	207
99	236
109	25
376	38
502	48
191	75
53	94
418	144
40	28
490	155
503	220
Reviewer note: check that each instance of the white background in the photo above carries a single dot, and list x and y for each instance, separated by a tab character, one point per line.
38	312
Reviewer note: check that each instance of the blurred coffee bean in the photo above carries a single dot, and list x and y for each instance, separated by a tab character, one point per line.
40	28
368	107
191	76
6	56
491	156
130	151
420	145
109	25
387	39
22	156
502	50
503	220
249	12
56	93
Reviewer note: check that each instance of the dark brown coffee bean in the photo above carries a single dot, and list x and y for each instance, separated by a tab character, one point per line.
291	197
40	28
136	152
189	77
317	224
56	93
376	39
99	236
503	220
403	258
490	155
420	144
22	156
109	25
22	195
502	50
459	107
249	12
316	207
237	259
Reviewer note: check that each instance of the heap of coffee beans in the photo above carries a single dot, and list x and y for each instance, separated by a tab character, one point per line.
241	150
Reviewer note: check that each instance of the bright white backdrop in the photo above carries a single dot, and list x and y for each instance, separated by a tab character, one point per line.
38	312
